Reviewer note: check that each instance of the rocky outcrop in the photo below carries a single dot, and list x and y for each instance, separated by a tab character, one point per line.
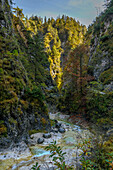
101	48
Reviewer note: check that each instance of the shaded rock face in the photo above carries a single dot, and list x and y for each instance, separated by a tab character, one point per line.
20	131
103	63
58	125
101	52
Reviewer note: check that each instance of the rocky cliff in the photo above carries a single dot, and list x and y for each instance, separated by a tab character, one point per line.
22	104
101	48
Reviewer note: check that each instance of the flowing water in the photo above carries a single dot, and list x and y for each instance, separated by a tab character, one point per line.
13	160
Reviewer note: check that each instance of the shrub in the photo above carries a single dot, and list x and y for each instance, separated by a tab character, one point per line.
43	120
104	38
58	157
3	129
107	76
99	105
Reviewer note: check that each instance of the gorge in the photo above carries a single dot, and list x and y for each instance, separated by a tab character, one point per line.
55	65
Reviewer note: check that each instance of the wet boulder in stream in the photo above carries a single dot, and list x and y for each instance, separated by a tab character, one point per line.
61	130
54	130
58	125
40	140
47	135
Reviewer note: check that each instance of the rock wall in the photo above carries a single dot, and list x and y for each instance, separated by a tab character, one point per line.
101	49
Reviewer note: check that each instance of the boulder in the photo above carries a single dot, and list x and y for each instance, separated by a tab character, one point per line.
47	135
31	136
56	121
54	130
61	130
58	125
40	140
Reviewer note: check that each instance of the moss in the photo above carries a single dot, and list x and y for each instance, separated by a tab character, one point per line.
24	103
36	131
108	145
3	129
12	121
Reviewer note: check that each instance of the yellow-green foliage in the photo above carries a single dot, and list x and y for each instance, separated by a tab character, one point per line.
23	65
107	76
62	36
24	103
3	129
108	145
43	120
33	131
36	131
104	120
52	122
19	111
54	54
12	121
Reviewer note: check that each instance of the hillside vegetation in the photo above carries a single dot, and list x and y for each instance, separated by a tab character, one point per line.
55	63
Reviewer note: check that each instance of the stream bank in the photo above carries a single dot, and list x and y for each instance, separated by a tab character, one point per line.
24	156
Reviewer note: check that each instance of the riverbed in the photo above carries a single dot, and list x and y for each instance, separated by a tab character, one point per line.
23	156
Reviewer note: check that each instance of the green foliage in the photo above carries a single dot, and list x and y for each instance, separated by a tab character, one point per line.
36	92
107	76
92	41
12	121
96	86
97	27
3	128
36	131
36	166
90	70
64	31
108	12
104	38
94	155
99	105
23	69
58	156
72	97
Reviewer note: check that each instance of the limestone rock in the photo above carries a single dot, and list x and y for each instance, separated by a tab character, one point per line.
47	135
40	140
58	125
61	130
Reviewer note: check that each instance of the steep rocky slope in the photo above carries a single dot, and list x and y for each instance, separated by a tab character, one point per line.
22	103
101	48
